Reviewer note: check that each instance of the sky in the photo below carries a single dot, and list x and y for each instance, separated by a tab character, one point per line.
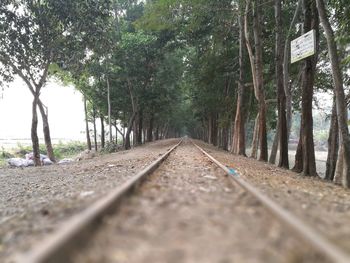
65	107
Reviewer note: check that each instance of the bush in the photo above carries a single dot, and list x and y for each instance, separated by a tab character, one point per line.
5	155
70	149
110	147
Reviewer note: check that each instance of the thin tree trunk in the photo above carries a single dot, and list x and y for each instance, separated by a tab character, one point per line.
128	131
238	141
257	73
139	127
298	164
95	130
34	132
109	111
260	81
210	129
286	78
157	133
255	141
102	132
88	140
46	131
333	144
344	137
274	147
150	129
282	129
310	22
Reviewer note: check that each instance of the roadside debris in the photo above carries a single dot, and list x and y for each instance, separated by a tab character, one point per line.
86	155
28	160
66	161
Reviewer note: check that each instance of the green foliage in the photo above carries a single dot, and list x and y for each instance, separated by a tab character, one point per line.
110	147
67	150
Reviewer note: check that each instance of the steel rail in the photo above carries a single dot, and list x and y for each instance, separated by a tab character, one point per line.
59	245
304	231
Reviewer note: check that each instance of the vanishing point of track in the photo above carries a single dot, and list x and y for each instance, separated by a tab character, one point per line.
59	246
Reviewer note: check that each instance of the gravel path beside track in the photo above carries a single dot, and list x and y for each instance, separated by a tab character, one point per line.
321	204
34	200
189	211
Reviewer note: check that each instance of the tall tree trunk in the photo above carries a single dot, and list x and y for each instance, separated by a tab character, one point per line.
255	141
139	127
257	73
34	131
94	123
274	147
344	137
281	96
308	76
298	164
210	129
286	78
238	140
150	129
46	131
127	144
87	131
260	81
157	133
109	111
103	132
214	131
333	144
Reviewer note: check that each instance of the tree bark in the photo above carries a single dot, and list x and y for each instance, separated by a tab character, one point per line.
333	144
214	132
150	129
344	137
34	132
238	140
127	144
46	131
109	111
103	132
281	96
94	123
308	77
88	140
298	164
139	127
255	141
286	78
274	147
257	73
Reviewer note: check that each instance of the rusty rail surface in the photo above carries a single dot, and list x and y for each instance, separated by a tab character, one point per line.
59	245
304	231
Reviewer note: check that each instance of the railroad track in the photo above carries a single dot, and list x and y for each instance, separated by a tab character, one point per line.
60	246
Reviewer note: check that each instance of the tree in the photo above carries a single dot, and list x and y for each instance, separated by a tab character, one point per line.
257	73
343	163
238	144
281	96
36	34
305	157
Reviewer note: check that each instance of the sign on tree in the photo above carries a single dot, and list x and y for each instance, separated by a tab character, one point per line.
303	46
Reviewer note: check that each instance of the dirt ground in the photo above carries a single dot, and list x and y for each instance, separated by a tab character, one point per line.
189	211
321	204
185	202
34	200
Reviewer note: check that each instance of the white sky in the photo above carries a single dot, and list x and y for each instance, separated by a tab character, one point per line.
65	105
